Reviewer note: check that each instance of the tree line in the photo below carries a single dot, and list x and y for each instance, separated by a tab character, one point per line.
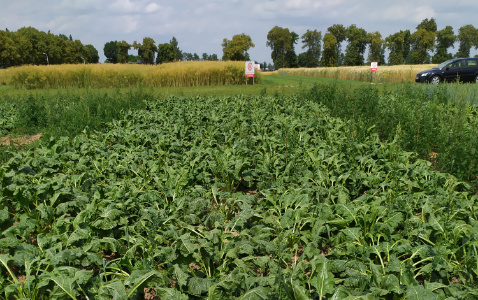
149	52
31	46
426	44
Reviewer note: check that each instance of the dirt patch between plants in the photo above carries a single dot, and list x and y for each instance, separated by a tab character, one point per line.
23	140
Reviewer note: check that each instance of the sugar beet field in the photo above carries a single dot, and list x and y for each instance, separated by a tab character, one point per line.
331	192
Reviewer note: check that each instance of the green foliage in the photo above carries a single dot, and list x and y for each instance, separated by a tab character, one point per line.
279	39
399	46
31	46
311	41
110	50
147	50
165	53
31	114
439	123
242	197
236	49
357	44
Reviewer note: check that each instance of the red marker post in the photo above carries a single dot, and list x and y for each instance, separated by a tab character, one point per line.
373	69
250	66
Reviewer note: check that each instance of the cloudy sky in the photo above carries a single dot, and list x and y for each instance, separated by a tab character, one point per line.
201	25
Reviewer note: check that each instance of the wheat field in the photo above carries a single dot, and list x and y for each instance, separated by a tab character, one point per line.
384	74
178	74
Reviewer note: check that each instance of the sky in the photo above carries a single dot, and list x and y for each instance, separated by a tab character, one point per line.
200	26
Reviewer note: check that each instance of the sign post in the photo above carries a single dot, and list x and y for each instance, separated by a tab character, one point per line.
250	66
373	69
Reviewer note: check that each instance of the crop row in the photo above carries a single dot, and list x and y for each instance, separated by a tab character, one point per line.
235	197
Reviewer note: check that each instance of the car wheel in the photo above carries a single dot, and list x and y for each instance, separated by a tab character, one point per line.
476	79
435	79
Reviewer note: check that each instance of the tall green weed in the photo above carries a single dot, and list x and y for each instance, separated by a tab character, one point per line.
437	122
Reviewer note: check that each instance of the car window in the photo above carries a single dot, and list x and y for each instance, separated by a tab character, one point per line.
456	64
471	62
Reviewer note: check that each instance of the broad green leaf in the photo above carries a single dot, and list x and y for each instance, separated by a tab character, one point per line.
113	290
419	292
170	294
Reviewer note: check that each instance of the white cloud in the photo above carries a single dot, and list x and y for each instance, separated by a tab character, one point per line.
152	7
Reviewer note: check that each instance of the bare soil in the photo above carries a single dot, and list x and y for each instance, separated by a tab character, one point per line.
22	140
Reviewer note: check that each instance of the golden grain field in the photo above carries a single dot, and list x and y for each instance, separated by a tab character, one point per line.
178	74
384	74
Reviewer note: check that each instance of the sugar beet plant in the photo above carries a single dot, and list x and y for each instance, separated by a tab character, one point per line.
233	198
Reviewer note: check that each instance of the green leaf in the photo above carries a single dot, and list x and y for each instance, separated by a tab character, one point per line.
198	286
323	281
181	276
170	294
255	294
419	292
113	290
140	279
4	259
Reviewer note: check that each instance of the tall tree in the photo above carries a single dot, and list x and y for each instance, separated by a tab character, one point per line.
291	56
146	50
329	54
398	45
178	55
279	39
165	53
445	39
236	49
93	56
422	41
111	51
467	37
376	52
123	48
9	54
312	42
357	44
340	33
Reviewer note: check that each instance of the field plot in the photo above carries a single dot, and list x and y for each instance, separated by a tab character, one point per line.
245	197
203	73
384	74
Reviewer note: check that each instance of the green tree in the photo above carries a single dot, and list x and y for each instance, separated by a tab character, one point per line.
376	51
398	45
178	55
123	48
35	49
422	41
236	49
165	53
8	50
291	56
312	42
111	51
340	33
329	54
467	37
445	39
357	44
146	50
279	39
93	57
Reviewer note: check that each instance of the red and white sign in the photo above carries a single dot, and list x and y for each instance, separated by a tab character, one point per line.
250	69
373	67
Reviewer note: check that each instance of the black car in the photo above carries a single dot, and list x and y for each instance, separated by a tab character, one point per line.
462	69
